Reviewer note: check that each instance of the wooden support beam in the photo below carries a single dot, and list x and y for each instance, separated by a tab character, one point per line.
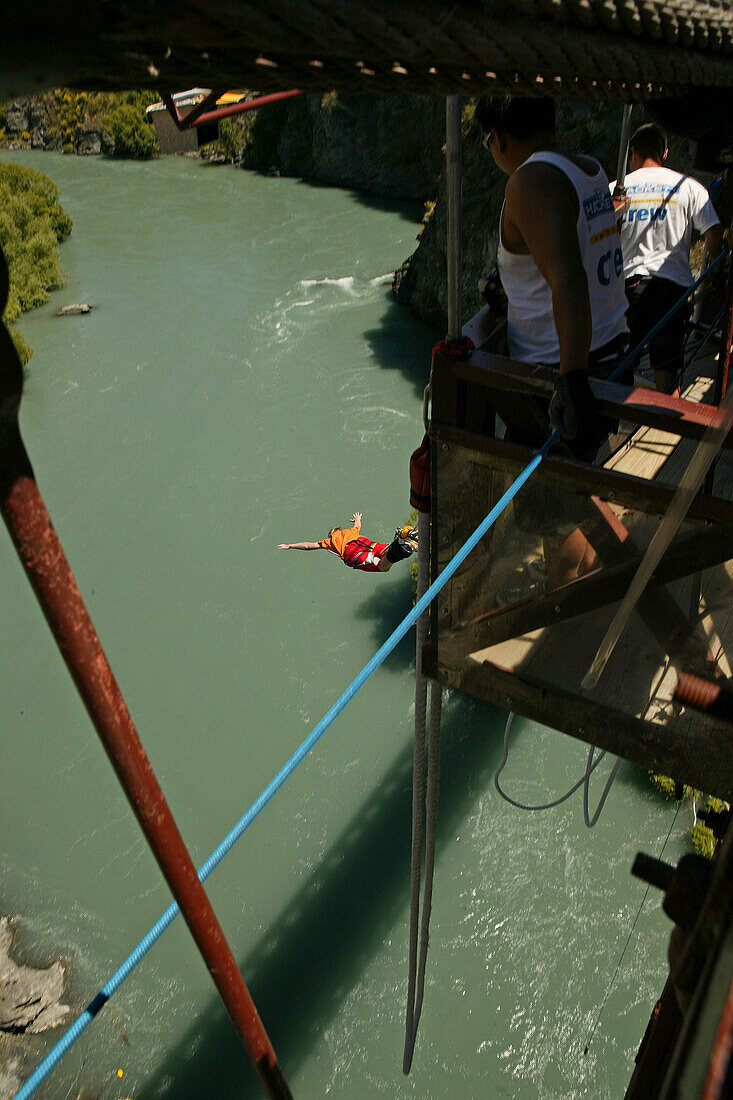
700	756
661	613
609	538
596	589
688	419
652	497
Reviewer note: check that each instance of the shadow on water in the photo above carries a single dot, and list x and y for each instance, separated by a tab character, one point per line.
403	342
385	608
410	210
312	955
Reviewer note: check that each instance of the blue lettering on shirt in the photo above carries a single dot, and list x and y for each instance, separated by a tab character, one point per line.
656	188
657	214
604	269
598	203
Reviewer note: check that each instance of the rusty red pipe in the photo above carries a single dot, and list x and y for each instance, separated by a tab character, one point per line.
197	116
713	697
50	575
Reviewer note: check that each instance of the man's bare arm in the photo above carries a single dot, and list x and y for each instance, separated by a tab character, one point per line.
299	546
714	241
541	213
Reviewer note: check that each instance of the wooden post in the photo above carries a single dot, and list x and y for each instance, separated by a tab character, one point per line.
453	246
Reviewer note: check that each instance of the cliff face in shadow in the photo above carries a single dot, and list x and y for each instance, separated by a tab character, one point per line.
387	146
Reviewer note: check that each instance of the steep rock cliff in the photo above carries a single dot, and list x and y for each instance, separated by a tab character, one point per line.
387	146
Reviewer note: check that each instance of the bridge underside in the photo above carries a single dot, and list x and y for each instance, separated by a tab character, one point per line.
630	49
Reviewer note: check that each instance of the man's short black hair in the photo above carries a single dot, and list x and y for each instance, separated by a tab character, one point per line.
649	140
519	116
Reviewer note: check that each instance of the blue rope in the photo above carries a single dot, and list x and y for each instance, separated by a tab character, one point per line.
670	313
67	1040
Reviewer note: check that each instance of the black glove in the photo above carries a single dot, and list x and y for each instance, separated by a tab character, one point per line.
574	405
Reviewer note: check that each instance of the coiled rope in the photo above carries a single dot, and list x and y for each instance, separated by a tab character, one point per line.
82	1022
590	768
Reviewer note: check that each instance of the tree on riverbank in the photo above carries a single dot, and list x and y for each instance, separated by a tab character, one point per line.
32	225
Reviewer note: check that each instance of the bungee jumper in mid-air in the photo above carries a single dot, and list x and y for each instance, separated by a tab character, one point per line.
359	552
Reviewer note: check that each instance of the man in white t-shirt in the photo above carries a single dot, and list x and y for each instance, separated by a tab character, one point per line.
656	231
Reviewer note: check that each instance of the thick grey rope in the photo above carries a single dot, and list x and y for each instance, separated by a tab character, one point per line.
582	782
418	783
431	820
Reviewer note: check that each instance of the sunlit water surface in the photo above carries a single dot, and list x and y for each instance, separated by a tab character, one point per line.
245	379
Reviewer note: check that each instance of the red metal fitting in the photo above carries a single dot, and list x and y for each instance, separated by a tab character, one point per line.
456	349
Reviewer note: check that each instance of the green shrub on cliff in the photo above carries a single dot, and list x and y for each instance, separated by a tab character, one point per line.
703	838
132	135
233	136
262	149
32	225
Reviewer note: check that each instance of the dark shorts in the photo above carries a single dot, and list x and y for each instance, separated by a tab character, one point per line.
650	297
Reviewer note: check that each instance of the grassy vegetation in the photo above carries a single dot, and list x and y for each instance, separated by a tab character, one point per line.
703	839
32	225
233	136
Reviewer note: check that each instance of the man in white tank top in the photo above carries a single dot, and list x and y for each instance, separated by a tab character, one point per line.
561	267
656	230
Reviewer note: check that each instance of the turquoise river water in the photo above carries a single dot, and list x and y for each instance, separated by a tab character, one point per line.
220	399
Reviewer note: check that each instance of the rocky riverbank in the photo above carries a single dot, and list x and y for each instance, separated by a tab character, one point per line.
31	999
30	1002
84	123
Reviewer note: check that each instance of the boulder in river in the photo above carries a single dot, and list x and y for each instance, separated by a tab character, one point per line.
72	310
30	999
